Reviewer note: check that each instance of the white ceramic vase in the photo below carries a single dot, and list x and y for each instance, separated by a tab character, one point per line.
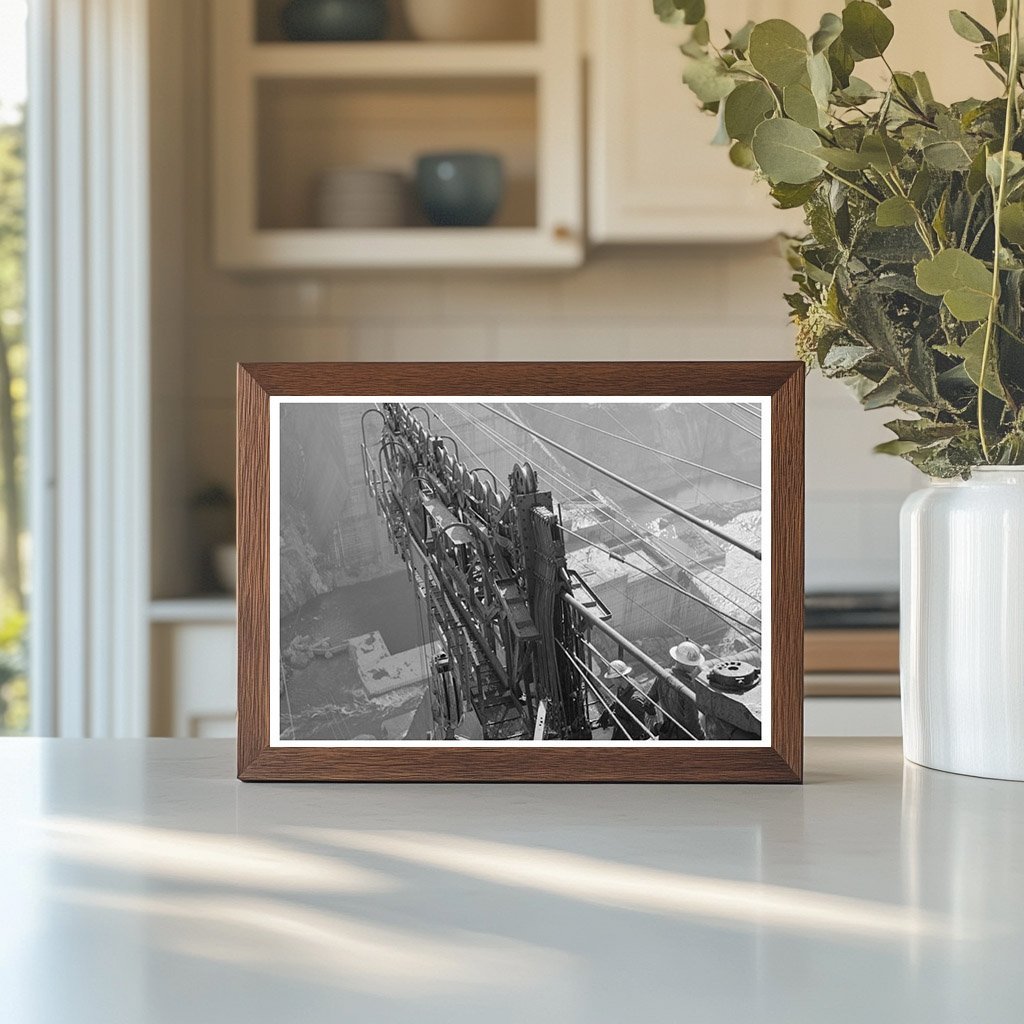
962	624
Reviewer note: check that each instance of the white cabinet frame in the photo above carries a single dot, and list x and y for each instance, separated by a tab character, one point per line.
553	62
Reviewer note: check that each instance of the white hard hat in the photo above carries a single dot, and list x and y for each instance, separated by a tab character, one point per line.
617	670
687	654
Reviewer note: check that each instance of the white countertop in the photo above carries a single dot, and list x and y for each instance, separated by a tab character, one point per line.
143	885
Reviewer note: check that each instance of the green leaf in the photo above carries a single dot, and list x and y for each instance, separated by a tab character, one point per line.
745	108
921	185
976	173
739	41
789	197
844	159
885	394
800	105
841	60
969	28
778	50
830	29
963	281
708	80
866	29
858	91
676	12
923	431
785	152
999	7
947	156
741	155
1012	225
883	153
896	447
1014	169
924	87
971	352
820	76
896	212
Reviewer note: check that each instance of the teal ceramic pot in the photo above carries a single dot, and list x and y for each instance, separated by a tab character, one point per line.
461	190
331	21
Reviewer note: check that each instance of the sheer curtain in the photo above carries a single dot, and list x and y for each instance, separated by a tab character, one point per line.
88	300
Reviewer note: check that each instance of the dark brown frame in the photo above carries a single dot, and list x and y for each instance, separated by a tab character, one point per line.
781	762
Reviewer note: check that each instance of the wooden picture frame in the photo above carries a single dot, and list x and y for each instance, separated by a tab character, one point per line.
778	758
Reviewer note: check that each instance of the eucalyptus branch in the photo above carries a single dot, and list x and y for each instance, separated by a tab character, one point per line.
850	184
1000	199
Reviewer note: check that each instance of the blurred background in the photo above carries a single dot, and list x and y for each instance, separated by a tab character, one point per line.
245	180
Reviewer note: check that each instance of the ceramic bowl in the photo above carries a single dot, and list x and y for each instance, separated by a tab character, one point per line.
470	20
358	197
460	189
334	20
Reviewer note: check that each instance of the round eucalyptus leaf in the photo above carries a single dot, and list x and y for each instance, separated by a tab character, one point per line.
746	107
866	29
708	81
1012	225
883	153
829	30
785	152
743	156
779	51
800	105
895	212
963	281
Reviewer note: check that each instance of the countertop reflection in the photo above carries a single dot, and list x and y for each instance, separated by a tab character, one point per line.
143	884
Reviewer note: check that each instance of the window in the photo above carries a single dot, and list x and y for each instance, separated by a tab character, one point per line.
14	548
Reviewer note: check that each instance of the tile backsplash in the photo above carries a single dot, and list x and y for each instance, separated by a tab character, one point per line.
701	303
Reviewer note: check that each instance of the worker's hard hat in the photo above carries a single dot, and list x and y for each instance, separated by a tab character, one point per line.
687	654
617	670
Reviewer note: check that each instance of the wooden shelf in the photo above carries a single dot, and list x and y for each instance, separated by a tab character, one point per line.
286	112
401	247
393	60
861	651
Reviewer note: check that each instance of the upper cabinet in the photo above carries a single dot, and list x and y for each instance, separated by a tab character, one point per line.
316	143
653	174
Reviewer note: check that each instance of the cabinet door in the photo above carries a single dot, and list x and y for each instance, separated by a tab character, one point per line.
654	177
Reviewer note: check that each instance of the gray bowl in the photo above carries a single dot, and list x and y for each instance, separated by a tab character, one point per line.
461	190
334	20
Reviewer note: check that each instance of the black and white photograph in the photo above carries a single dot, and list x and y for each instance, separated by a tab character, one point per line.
520	570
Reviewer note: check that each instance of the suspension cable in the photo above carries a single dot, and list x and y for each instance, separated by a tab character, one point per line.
575	489
721	415
668	583
646	447
695	483
636	488
646	696
580	667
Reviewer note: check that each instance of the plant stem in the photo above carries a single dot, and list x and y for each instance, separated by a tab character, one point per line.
849	184
993	309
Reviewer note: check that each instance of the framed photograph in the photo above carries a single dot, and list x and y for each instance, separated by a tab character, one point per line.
512	572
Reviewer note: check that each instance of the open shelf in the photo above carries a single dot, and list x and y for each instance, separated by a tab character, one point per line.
520	15
306	128
392	60
288	113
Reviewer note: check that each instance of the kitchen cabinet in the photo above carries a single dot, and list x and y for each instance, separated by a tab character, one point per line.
653	175
287	113
192	647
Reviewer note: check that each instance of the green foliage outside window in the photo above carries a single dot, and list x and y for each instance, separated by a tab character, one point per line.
13	411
